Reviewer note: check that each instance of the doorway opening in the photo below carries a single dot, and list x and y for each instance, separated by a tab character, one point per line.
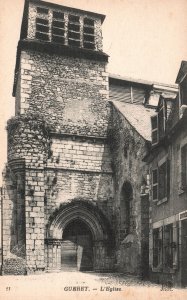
77	247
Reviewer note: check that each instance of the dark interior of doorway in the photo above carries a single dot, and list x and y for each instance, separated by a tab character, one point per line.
77	247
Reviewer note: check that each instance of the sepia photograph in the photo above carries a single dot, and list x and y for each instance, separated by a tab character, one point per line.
93	149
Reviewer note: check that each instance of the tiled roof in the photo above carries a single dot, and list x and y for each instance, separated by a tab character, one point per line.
138	116
142	81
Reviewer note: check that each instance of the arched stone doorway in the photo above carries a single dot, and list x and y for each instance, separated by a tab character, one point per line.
79	237
77	247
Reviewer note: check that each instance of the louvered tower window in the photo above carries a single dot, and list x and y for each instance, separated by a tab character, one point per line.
74	31
58	28
65	29
42	24
88	34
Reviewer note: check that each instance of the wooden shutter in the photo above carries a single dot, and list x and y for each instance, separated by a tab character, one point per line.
155	184
161	122
154	126
184	166
168	178
162	185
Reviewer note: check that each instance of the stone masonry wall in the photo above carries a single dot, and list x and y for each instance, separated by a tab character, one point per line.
79	168
28	141
80	154
69	93
128	149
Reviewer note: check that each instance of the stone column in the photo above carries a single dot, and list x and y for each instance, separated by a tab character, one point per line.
13	222
53	249
34	216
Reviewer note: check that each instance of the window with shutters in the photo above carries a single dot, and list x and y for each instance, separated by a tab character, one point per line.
157	247
164	181
154	125
184	167
164	248
161	182
158	123
168	246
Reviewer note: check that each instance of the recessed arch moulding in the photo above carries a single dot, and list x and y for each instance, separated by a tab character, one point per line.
98	225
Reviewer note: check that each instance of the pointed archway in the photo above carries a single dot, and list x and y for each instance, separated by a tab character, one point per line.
79	237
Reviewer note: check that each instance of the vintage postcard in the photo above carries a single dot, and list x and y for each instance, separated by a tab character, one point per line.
93	157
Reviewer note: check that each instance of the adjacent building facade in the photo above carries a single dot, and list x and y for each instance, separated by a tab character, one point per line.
168	198
77	190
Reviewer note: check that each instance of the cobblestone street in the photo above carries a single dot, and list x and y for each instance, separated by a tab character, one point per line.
77	285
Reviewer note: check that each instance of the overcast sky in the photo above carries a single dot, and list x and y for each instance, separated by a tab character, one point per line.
145	39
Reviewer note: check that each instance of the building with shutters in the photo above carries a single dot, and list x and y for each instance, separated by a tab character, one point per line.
76	188
168	198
